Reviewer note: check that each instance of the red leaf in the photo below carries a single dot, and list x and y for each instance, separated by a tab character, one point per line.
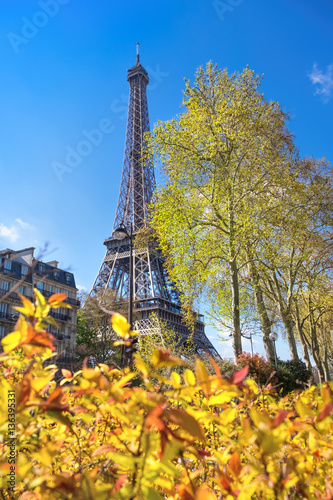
239	376
280	418
203	453
120	481
325	412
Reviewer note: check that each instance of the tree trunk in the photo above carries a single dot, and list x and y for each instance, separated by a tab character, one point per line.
326	367
301	334
325	361
314	343
265	323
319	366
287	320
237	337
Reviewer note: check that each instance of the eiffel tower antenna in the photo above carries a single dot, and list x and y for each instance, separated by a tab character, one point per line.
144	275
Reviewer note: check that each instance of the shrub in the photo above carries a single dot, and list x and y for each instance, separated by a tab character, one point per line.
259	369
227	368
190	437
293	375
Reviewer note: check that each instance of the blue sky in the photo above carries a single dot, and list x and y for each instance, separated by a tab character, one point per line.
63	74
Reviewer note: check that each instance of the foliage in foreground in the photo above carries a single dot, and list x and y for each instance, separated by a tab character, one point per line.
187	437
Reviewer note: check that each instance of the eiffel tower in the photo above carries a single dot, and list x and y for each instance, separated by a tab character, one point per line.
152	290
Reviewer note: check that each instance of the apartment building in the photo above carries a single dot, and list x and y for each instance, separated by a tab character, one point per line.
21	272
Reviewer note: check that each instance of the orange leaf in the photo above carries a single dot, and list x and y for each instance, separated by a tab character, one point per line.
66	373
235	464
203	493
216	368
57	297
153	418
105	448
23	389
26	335
53	402
161	358
186	421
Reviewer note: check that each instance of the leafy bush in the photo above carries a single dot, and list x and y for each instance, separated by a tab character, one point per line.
259	369
227	368
191	437
293	375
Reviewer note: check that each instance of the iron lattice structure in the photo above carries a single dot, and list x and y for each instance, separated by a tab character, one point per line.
152	289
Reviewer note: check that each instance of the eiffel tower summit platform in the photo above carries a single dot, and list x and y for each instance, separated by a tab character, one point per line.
138	275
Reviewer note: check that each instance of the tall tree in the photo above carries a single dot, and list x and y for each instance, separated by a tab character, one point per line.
296	251
220	158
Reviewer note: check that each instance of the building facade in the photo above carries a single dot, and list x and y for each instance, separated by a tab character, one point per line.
21	272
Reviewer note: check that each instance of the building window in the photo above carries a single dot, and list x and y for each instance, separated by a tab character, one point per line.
3	309
51	289
40	286
7	267
41	266
56	275
2	332
5	285
24	270
22	290
68	278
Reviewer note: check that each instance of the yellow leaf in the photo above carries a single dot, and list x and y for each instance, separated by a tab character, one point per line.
39	383
313	443
41	300
176	380
91	373
260	421
222	398
11	341
303	410
56	305
268	442
189	377
228	416
202	376
28	308
120	325
252	385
